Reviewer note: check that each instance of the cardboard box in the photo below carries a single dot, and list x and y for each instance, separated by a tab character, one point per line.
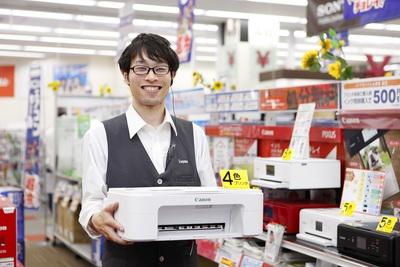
8	233
74	231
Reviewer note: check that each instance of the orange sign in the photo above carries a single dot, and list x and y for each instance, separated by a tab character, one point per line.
6	81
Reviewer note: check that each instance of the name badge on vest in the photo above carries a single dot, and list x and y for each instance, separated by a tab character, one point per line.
183	161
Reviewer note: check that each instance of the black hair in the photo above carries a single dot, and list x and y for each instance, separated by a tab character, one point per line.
154	46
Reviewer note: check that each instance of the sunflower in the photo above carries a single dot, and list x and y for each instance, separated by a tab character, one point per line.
217	85
309	59
55	85
197	78
108	90
335	69
326	45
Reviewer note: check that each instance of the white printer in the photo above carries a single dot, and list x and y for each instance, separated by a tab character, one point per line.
320	225
178	213
311	173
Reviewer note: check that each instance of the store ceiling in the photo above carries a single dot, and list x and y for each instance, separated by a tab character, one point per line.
91	27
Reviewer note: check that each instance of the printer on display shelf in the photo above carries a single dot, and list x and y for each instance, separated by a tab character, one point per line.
320	225
310	173
362	241
179	213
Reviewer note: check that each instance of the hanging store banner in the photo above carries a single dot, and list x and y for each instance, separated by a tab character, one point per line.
6	81
32	155
185	30
347	14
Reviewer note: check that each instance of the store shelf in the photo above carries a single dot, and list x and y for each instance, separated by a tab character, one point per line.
327	254
83	250
69	178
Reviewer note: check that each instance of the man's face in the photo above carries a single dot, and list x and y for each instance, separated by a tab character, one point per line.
148	89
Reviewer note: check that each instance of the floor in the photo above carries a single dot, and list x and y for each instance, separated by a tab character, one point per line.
42	253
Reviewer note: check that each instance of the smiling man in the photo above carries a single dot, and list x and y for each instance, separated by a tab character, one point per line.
145	146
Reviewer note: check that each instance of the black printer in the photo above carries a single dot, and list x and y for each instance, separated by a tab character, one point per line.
362	241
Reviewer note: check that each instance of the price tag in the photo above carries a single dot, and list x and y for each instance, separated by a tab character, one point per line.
386	224
287	154
348	209
226	262
234	179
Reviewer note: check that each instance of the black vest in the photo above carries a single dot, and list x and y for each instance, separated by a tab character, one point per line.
130	166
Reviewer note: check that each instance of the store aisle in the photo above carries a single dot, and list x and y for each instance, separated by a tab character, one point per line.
38	252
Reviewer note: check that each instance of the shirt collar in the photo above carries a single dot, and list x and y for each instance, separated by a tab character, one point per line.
135	122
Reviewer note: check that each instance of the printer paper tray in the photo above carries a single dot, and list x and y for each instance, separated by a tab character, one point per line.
315	239
268	184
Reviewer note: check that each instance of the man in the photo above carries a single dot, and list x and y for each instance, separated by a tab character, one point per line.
146	146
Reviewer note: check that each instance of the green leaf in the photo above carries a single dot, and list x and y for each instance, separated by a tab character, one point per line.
315	67
332	33
329	56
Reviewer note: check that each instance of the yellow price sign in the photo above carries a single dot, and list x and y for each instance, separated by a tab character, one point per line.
348	208
234	179
386	224
287	154
227	262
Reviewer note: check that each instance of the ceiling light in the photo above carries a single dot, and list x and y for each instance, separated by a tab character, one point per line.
375	26
283	45
69	2
62	50
21	54
97	19
111	53
282	54
42	15
86	32
368	39
18	37
206	49
242	15
156	8
283	2
110	4
299	34
10	47
24	28
77	41
202	40
305	47
205	27
4	11
284	33
206	58
155	23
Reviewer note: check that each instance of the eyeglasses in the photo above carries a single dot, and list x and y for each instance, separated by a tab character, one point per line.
157	70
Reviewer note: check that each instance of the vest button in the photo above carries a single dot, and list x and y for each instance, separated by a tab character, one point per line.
161	258
159	181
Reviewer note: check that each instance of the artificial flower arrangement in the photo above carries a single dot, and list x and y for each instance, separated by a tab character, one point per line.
330	53
105	89
216	86
54	85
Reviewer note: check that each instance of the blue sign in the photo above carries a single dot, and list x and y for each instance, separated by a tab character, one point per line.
364	12
185	30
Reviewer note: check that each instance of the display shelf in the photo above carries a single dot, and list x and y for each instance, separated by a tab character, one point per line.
66	177
83	250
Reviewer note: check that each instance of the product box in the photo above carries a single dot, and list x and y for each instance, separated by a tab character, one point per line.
8	233
16	196
97	250
377	150
74	231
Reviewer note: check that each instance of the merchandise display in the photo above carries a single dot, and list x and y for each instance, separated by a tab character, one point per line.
8	233
179	213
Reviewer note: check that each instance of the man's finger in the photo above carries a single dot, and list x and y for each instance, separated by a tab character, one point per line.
113	236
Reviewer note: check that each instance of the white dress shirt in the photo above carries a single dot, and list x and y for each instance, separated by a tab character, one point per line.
156	142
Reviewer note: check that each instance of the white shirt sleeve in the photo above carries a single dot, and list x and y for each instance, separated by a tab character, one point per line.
95	153
203	160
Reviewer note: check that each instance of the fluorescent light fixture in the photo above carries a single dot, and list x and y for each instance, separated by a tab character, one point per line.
305	47
199	12
283	45
300	34
110	4
42	15
361	58
24	28
69	2
203	40
283	2
284	33
376	39
4	11
280	62
156	8
242	15
205	27
21	54
282	53
61	50
155	23
77	41
375	26
209	49
87	32
18	37
206	58
110	53
392	27
10	47
97	19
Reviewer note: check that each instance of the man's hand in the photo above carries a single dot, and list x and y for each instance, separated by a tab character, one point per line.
104	223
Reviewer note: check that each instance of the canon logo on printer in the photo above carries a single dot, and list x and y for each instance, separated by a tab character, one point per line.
351	120
202	199
3	228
